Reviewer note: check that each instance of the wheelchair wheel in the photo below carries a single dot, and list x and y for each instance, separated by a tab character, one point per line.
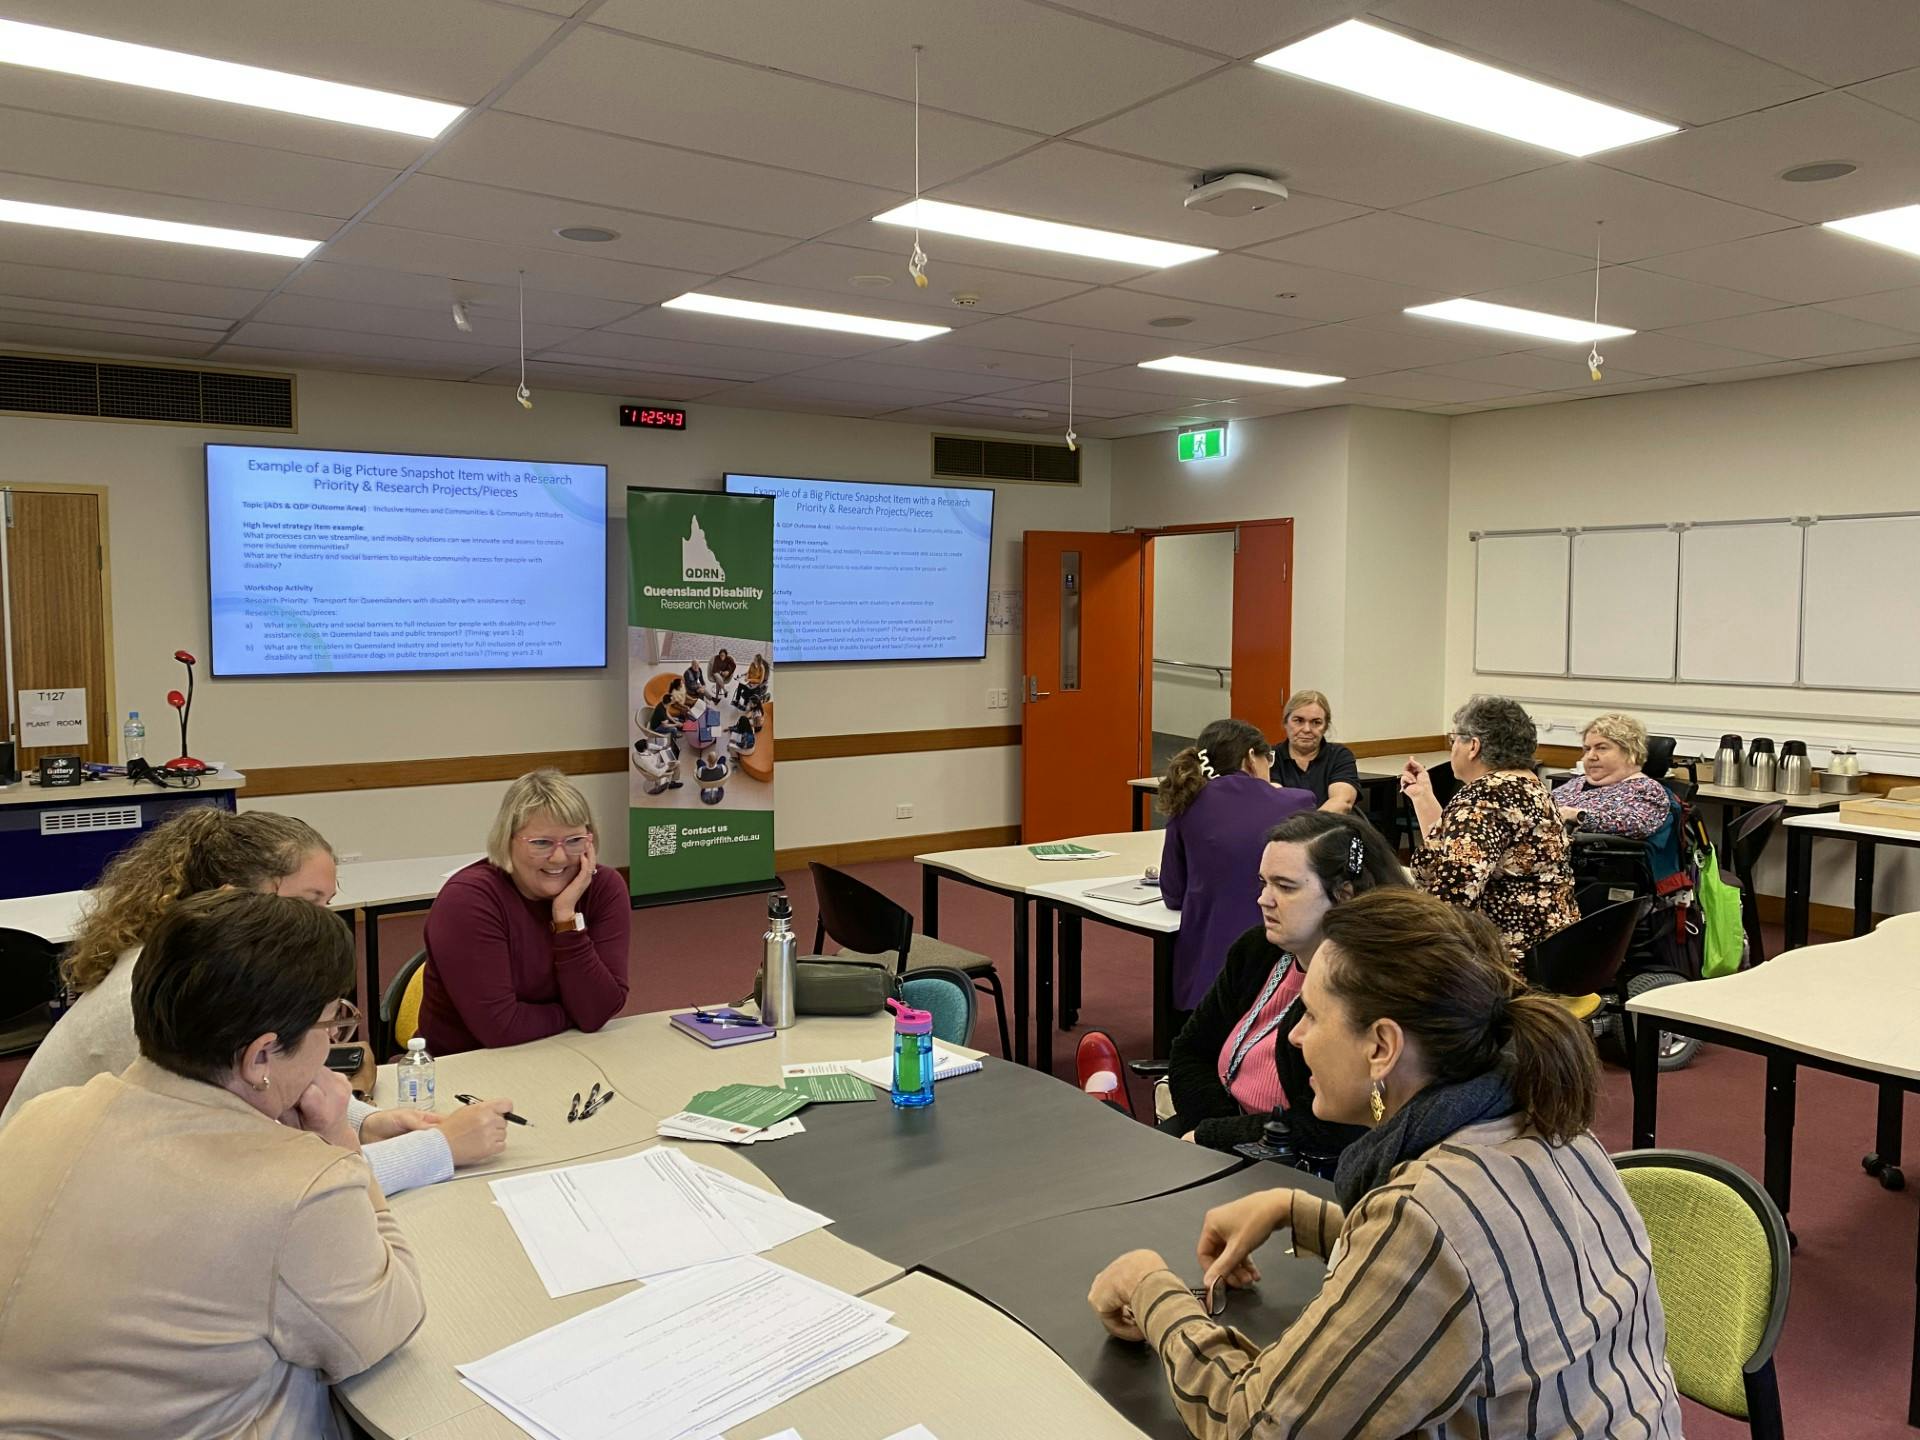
1676	1051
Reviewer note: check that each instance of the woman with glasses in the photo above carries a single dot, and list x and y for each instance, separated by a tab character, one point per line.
196	1246
1220	798
1499	846
206	849
532	940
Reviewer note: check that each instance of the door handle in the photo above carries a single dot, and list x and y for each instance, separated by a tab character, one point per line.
1034	692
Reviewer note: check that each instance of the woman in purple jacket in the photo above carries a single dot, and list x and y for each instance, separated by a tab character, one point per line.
1220	803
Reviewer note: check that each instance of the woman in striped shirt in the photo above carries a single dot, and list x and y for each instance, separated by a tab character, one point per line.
1487	1274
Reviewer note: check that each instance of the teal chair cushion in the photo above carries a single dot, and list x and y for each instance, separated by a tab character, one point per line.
948	996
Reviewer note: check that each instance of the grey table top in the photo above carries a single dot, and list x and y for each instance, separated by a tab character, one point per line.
996	1149
1039	1273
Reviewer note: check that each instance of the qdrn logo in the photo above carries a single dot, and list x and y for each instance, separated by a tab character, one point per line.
697	560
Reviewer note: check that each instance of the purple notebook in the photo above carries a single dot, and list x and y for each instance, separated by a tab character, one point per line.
716	1033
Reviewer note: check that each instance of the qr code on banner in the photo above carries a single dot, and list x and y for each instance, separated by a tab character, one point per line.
663	840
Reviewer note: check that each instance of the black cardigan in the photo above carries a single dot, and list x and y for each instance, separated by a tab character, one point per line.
1205	1106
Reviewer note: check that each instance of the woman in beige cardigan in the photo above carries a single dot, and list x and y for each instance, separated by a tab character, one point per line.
195	1246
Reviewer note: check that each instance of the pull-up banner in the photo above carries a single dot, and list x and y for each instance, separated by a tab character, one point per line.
699	693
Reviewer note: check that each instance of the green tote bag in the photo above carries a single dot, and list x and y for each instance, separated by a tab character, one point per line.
1720	905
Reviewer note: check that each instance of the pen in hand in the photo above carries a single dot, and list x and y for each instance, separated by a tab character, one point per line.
510	1117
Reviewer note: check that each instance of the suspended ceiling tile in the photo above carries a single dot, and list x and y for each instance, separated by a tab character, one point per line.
306	339
34	310
267	357
120	260
945	352
1533	371
1606	51
1079	185
894	244
1897	308
1842	42
125	157
652	92
831	268
1665	353
1798	333
1803	266
1407	251
884	369
1226	27
47	282
18	319
1433	389
389	247
509	217
721	330
97	342
548	375
365	284
1109	400
157	206
614	348
539	156
1297	291
1754	372
491	326
1559	206
1631	297
1325	141
971	420
1061	71
1883	356
1090	402
1741	159
1130	311
1034	337
1365	350
1899	92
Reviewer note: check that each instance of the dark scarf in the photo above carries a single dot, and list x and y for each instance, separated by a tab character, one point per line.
1419	1125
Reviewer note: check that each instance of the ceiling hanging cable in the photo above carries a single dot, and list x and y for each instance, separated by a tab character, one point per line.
1073	440
917	262
523	395
1594	358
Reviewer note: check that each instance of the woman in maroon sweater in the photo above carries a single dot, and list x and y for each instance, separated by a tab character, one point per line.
531	940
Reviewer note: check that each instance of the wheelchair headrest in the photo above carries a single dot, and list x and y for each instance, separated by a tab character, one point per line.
1659	756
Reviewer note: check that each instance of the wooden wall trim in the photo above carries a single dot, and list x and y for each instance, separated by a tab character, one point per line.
1405	745
269	781
896	847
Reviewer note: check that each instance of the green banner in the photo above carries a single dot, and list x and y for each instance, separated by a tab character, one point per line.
699	690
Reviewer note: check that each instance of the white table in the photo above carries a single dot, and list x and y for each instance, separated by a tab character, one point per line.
370	889
1801	831
1013	871
1062	906
1852	1008
53	918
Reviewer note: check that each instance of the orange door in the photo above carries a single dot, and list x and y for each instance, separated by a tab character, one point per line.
1263	623
1083	732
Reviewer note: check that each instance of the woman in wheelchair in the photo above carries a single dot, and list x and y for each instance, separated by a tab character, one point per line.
1232	1073
1611	794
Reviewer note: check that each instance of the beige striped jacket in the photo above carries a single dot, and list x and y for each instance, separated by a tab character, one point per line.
1496	1286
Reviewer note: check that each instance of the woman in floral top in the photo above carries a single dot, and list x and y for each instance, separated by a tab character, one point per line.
1500	847
1611	794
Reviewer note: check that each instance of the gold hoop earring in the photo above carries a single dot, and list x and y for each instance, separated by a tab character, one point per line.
1377	1103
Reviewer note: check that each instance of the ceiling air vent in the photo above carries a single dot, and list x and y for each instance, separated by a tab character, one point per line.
157	394
965	457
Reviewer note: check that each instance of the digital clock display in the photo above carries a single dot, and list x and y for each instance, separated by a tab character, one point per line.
653	417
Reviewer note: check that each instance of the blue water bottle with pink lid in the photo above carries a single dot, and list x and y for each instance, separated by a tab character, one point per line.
912	1055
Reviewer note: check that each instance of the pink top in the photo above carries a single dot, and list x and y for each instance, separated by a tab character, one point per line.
498	975
1255	1082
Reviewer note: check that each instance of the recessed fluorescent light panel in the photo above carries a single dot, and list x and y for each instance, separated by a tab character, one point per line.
1517	321
1223	370
95	58
796	315
1001	229
1898	228
138	227
1385	66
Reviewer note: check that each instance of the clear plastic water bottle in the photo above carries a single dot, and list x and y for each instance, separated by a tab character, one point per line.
133	738
415	1076
912	1056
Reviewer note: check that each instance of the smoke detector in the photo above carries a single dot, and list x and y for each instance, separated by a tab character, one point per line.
966	300
1235	193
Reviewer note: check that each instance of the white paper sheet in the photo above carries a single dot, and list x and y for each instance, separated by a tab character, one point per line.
689	1356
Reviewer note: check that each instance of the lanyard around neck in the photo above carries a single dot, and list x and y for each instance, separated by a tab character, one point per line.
1244	1043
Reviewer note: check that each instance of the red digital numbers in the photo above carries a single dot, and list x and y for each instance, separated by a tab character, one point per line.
653	417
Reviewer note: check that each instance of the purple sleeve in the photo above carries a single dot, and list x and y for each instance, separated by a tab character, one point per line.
590	966
1634	807
1173	865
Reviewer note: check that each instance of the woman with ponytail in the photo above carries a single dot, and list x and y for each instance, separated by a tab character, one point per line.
1220	800
1487	1274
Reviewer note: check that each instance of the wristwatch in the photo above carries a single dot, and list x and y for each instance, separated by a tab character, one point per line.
568	927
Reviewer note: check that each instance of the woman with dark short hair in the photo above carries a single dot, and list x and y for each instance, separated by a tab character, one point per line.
195	1247
1487	1273
1499	846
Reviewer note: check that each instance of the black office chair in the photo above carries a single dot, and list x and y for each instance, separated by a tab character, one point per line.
865	923
1580	965
1659	759
29	984
1750	835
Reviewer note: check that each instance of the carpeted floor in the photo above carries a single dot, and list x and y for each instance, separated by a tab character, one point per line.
1844	1358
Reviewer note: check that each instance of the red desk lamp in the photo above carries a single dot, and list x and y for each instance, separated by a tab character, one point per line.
183	763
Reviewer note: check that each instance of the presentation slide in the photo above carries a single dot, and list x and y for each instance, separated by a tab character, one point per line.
876	572
340	561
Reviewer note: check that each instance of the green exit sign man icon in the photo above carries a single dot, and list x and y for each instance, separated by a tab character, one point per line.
1209	444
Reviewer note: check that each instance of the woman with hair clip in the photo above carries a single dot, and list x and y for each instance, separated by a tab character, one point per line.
1487	1273
1232	1072
1220	801
205	849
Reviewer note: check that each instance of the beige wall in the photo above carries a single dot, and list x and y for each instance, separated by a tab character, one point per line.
157	518
1831	442
1192	621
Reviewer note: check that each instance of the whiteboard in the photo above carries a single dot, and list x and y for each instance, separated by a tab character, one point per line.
1625	604
1740	603
1863	604
1520	604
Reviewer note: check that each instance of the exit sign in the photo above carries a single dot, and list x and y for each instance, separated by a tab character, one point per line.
1209	444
